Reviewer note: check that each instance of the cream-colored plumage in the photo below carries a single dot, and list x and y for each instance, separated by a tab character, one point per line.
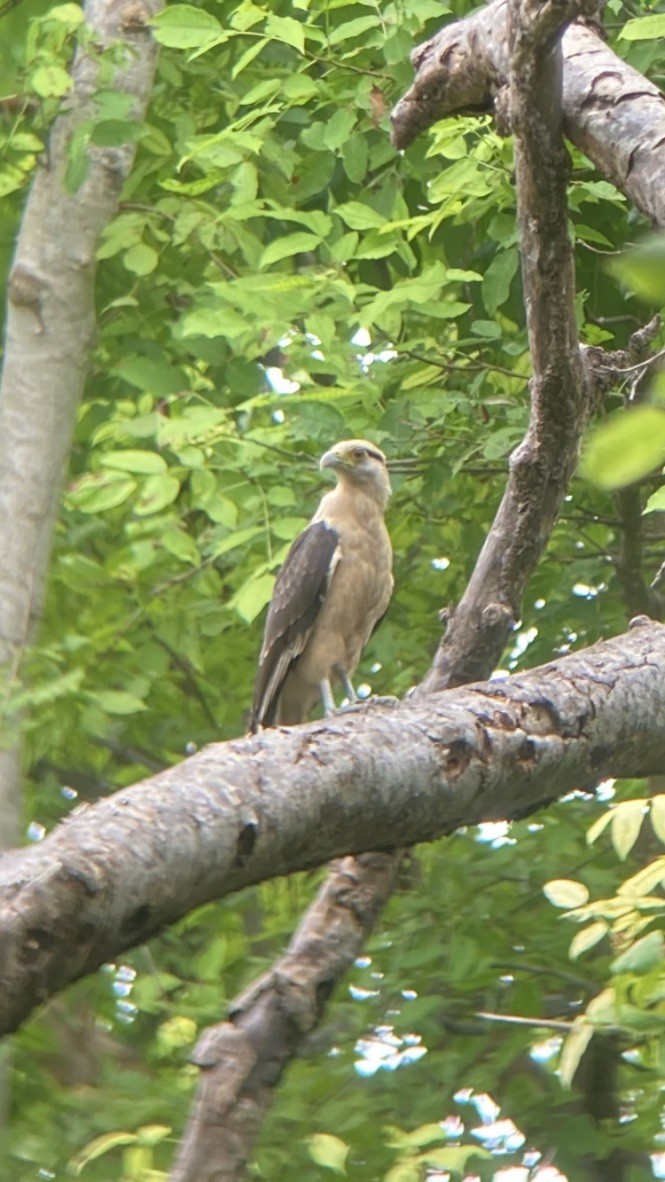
332	591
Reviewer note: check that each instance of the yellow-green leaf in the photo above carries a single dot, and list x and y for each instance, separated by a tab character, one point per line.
599	825
642	956
98	1147
285	28
181	26
573	1048
157	492
587	938
287	246
657	815
629	445
644	28
627	820
148	463
328	1151
566	893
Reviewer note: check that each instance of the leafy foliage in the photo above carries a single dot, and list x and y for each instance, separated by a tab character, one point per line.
277	278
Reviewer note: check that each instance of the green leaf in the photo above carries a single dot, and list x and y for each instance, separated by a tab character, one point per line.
181	26
656	502
354	28
144	462
642	956
627	820
404	1171
644	28
253	597
573	1048
286	29
339	129
355	154
157	492
287	246
109	133
67	14
587	938
328	1151
498	277
51	81
625	448
141	259
358	216
99	1147
643	269
566	893
95	493
119	702
181	546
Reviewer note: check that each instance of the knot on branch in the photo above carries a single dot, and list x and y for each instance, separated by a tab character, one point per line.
640	622
134	17
498	614
26	288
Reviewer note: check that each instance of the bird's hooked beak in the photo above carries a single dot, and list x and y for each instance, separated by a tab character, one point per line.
331	459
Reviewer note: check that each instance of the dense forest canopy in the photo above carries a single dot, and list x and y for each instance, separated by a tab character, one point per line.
273	275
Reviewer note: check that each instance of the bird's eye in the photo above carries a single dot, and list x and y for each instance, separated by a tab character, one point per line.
359	453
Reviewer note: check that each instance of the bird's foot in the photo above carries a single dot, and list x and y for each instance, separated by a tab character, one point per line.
372	700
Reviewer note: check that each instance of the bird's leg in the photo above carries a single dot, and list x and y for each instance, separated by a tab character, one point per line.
327	697
347	684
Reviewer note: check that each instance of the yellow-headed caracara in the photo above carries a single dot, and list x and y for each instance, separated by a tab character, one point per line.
330	594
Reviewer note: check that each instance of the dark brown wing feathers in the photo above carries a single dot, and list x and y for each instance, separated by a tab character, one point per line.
300	590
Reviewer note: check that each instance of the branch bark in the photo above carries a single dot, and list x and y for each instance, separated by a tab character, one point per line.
50	329
561	388
112	876
242	1060
611	111
50	333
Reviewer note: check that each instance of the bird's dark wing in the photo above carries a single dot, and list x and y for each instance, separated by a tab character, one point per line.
300	590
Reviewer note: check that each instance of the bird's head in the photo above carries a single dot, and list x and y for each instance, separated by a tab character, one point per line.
362	464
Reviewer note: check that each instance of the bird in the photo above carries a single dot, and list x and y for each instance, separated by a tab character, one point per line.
331	593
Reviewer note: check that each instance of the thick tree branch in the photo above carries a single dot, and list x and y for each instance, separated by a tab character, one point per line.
50	331
561	393
242	1060
112	876
611	112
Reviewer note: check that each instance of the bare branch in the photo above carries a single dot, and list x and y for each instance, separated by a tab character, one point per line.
290	798
611	112
242	1060
561	395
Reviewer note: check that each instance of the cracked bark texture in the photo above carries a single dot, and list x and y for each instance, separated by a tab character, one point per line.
611	112
242	1060
50	331
112	876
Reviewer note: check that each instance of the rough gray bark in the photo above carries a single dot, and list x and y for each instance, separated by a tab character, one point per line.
50	334
242	1060
561	389
112	875
50	330
611	111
